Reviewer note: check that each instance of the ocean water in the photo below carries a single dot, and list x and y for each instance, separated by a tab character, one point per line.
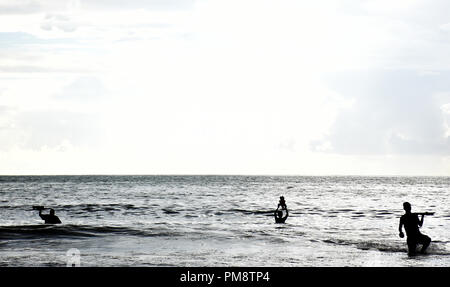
220	220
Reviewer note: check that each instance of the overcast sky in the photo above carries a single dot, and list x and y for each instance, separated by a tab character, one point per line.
225	87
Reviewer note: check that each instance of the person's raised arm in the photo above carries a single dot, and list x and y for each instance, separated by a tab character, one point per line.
41	215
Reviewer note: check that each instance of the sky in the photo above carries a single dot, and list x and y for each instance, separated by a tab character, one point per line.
225	87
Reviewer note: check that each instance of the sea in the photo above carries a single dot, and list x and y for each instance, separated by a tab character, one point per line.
216	221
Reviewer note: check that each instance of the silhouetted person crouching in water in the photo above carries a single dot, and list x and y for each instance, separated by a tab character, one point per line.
50	218
411	223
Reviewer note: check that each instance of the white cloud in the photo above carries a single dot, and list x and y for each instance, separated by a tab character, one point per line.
49	128
19	7
395	112
61	22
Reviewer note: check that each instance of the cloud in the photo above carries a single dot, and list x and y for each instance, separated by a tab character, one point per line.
23	53
137	4
36	69
21	40
19	7
394	112
49	128
68	118
59	21
16	39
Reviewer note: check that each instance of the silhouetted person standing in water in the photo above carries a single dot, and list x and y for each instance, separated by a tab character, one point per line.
411	223
279	213
50	218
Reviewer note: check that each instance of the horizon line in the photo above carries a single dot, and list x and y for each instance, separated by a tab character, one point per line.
213	174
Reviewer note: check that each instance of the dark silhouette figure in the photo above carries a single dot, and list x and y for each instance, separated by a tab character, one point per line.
282	203
412	223
50	218
279	211
279	216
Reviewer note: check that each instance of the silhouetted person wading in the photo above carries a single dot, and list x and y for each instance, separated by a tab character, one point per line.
279	213
411	223
50	218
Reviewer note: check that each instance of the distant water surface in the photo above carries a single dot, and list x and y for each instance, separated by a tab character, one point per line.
220	220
